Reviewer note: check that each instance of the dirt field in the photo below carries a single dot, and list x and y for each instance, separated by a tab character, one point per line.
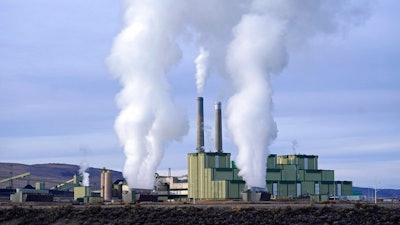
202	213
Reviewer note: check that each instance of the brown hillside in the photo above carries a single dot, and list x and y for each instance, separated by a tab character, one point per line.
50	173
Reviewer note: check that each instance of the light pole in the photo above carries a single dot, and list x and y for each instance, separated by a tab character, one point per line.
375	189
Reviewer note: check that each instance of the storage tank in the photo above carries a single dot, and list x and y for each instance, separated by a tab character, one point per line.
106	185
40	186
255	194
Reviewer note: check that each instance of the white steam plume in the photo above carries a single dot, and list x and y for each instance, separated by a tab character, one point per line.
201	70
251	57
85	175
249	40
260	48
141	56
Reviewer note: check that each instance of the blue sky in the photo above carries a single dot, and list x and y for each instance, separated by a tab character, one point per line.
339	96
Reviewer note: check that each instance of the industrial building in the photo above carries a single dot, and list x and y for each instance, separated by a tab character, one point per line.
212	175
59	193
294	176
171	188
62	192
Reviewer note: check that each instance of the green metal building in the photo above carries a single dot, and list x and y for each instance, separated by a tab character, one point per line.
212	175
293	176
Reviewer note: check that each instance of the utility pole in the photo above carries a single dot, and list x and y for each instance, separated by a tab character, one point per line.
375	189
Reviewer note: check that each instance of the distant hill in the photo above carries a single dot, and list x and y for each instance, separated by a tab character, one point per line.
383	193
50	173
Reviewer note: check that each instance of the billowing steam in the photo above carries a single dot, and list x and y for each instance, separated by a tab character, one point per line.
85	175
251	57
141	56
259	49
201	70
246	40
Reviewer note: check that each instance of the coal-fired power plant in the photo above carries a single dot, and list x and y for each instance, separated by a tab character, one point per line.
200	125
231	44
218	127
211	175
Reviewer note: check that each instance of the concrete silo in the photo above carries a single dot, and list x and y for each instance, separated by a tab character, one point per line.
106	184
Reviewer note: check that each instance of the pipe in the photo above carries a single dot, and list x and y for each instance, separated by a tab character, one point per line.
218	127
200	125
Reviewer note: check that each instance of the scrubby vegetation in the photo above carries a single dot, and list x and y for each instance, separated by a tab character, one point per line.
136	214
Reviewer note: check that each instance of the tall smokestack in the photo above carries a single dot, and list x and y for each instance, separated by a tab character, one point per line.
200	125
218	127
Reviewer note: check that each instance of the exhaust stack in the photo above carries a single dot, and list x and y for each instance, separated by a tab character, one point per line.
218	127
200	125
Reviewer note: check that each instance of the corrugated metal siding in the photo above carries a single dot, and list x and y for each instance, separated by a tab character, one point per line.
282	189
300	175
327	187
235	188
269	186
200	175
289	172
236	175
291	187
224	161
307	187
312	164
271	161
324	189
218	190
328	175
312	175
274	176
193	175
222	175
300	163
207	181
347	188
210	161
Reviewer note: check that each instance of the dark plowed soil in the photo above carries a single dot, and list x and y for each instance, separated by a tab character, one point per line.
136	214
